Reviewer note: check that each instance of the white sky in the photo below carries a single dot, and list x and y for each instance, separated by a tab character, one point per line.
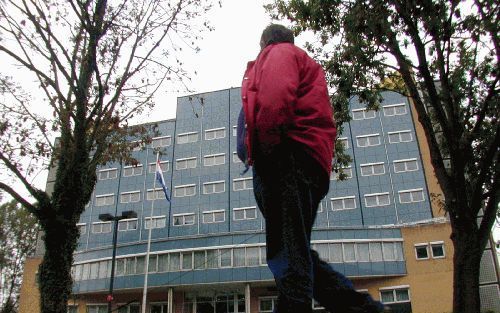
224	53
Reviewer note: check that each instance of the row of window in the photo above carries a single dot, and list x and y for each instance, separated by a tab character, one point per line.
219	133
373	169
377	199
189	190
423	251
369	140
388	110
368	169
173	262
183	219
180	164
373	251
236	303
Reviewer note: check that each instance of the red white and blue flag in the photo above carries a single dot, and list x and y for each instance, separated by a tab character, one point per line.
160	179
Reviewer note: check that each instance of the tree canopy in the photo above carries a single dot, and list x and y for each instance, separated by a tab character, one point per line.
78	70
444	55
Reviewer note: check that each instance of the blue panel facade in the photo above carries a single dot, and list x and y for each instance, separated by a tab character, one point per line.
213	209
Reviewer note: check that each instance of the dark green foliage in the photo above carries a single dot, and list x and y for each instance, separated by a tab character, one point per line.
18	231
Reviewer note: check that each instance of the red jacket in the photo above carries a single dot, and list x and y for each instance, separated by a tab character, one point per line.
284	95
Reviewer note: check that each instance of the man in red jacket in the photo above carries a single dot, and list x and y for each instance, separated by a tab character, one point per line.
289	140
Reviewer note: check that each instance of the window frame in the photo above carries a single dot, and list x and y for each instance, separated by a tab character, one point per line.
154	220
399	133
188	135
104	196
405	162
183	215
214	184
183	187
152	167
213	214
420	245
372	167
343	203
377	197
216	132
435	243
130	194
178	161
368	136
394	108
244	180
363	111
214	156
245	209
411	191
134	168
161	138
107	171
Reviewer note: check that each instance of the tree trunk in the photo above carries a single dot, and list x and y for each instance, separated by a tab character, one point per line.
466	264
55	271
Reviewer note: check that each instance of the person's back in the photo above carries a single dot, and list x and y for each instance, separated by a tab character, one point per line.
289	139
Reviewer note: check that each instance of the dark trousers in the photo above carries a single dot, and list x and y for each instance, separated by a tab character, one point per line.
288	186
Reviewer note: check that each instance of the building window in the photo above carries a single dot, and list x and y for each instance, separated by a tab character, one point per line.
266	305
422	251
347	173
214	159
187	138
155	194
128	224
131	308
159	308
185	191
103	200
395	294
183	219
216	133
343	203
183	164
409	165
97	308
246	213
132	170
344	142
130	197
164	165
409	196
214	187
363	114
400	136
437	250
372	169
349	251
82	228
394	109
243	183
377	199
155	222
368	140
101	227
110	173
235	130
164	141
216	216
236	159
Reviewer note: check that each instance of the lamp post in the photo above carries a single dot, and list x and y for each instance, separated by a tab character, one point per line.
107	218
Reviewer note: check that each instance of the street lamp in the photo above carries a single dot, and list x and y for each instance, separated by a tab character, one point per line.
106	217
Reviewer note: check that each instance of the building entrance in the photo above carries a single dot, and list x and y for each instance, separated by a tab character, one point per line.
217	303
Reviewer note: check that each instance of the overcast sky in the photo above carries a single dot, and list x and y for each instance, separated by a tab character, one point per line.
224	53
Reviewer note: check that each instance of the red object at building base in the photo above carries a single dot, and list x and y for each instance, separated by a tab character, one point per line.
109	298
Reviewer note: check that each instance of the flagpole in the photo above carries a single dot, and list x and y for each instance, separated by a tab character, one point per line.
145	290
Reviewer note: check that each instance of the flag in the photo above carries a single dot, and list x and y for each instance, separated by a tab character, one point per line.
160	179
